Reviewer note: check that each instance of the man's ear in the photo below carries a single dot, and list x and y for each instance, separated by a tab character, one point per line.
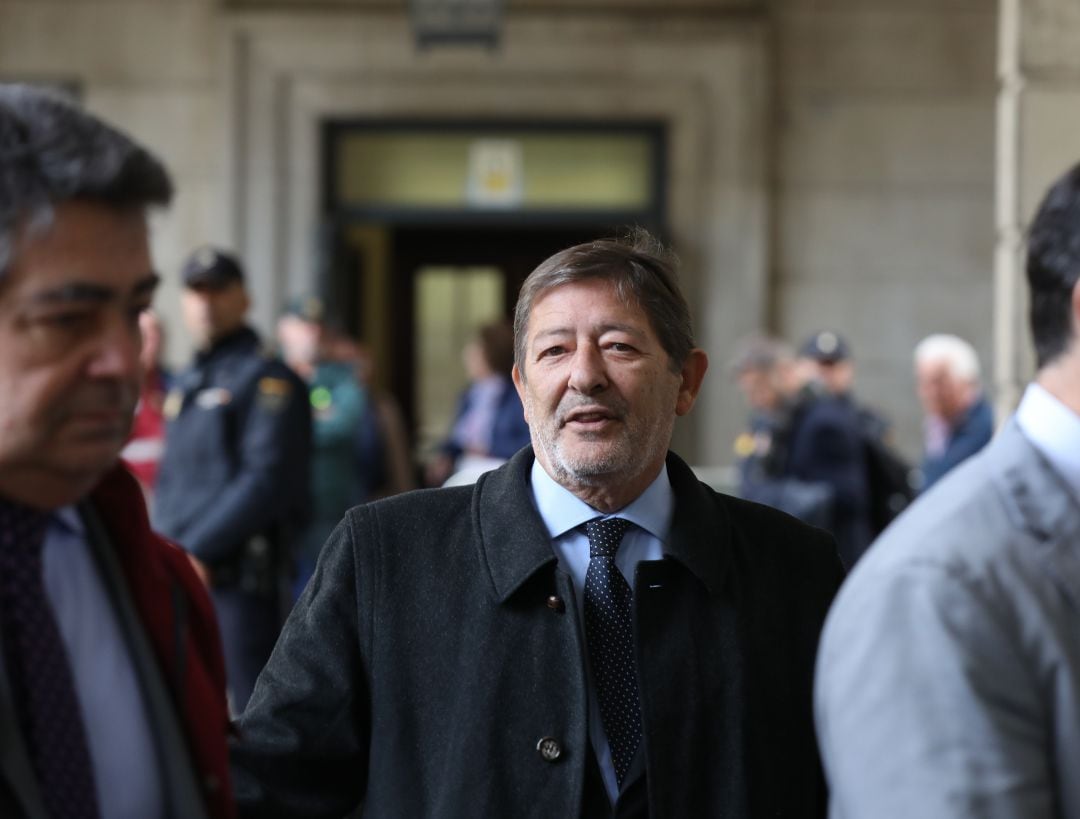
692	374
519	385
1076	309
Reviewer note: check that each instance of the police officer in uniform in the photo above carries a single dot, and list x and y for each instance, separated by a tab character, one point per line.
339	407
824	446
804	450
832	360
233	481
765	371
890	479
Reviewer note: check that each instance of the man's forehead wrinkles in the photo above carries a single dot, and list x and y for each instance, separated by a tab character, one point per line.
553	331
622	327
596	329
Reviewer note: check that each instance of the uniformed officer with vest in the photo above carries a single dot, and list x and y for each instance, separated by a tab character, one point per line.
233	483
339	406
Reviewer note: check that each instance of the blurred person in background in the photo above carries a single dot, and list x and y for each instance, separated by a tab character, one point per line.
339	406
489	425
804	453
111	677
383	449
834	366
144	449
948	679
763	371
891	480
233	482
958	420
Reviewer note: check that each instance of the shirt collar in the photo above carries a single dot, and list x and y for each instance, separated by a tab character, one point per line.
68	519
561	510
1054	430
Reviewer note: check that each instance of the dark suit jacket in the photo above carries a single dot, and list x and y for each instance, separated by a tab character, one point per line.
172	613
437	644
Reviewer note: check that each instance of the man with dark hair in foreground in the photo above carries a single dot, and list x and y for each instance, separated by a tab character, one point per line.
587	631
111	678
949	677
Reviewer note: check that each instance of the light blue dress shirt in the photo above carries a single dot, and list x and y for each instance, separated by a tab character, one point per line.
117	722
1054	430
563	514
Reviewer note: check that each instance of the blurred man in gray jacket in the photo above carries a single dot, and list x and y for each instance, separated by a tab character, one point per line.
948	680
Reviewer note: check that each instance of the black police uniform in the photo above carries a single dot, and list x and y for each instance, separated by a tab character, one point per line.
762	459
825	445
233	487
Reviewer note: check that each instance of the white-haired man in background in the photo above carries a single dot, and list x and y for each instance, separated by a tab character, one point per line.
958	419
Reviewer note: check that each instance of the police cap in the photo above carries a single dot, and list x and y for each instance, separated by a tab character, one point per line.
210	267
826	346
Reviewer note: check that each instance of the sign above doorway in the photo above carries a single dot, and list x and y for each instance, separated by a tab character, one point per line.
429	172
456	22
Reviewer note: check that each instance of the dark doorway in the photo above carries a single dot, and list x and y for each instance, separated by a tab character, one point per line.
425	217
513	251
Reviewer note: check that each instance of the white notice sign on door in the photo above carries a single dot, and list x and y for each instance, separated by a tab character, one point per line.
496	171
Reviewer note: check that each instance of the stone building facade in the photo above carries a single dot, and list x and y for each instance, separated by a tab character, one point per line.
829	163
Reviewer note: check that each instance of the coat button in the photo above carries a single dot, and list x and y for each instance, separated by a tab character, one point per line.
556	604
549	749
211	783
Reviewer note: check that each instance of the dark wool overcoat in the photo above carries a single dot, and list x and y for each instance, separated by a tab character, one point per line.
434	666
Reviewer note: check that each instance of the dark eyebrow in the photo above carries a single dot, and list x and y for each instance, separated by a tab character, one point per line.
93	293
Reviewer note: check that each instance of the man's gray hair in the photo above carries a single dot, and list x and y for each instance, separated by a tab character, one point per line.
959	355
51	152
644	274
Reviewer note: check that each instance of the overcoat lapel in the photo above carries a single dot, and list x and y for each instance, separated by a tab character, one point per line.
1041	504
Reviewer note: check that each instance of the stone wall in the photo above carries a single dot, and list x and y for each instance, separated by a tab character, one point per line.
1038	127
884	182
153	67
832	160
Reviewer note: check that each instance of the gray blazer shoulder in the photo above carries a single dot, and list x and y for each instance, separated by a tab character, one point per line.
948	678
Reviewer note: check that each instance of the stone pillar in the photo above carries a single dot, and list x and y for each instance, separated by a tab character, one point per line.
1038	132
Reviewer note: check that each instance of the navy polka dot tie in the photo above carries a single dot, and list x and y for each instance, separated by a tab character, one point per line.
39	671
610	634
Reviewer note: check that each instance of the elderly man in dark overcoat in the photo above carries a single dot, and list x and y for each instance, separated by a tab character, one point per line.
586	631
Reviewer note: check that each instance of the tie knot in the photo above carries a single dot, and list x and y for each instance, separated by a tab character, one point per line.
605	535
22	528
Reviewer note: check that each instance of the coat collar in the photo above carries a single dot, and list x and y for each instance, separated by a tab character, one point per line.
513	543
1039	501
700	529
